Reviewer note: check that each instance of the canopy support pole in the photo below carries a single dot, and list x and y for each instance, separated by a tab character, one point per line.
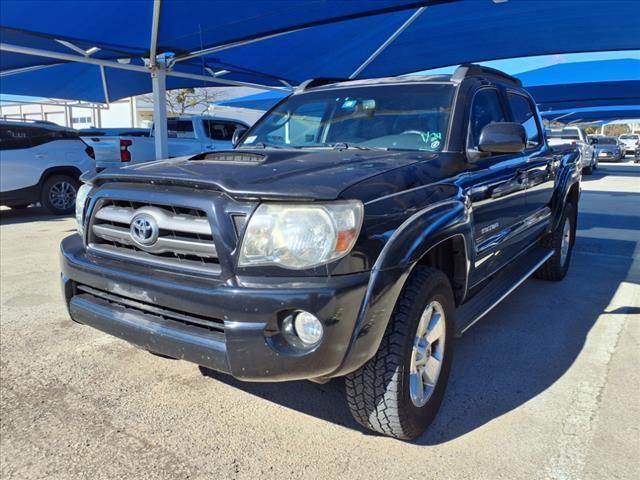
104	85
388	42
153	51
160	133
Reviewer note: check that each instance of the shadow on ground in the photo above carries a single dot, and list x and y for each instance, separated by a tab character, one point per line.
26	215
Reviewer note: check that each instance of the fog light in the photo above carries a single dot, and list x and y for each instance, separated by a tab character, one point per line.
308	328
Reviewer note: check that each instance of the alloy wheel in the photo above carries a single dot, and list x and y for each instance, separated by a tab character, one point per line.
62	195
427	354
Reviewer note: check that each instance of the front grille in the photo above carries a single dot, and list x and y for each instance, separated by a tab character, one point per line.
207	323
178	237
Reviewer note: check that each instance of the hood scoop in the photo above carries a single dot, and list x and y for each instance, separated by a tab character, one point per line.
232	157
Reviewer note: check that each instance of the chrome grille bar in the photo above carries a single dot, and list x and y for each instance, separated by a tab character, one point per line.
177	236
182	246
166	220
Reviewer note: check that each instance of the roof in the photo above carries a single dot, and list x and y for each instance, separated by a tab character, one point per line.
371	82
35	123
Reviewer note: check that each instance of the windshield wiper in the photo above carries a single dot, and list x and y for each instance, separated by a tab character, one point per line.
346	146
262	145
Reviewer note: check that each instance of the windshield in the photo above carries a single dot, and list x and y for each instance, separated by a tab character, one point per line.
394	117
629	137
607	141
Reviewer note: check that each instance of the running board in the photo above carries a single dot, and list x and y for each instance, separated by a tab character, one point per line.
498	288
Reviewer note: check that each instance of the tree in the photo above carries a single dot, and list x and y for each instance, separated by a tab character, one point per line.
182	100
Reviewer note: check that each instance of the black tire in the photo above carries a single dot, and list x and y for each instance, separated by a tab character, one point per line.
378	394
587	170
556	267
20	207
59	206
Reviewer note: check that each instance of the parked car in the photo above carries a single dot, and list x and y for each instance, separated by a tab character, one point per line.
110	132
631	141
187	136
41	162
356	229
608	148
578	137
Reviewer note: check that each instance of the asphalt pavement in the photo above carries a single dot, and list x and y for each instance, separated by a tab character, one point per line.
547	386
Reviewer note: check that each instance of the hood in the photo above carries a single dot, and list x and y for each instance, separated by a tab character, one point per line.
319	174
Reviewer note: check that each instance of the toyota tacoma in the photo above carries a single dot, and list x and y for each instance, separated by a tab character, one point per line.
354	231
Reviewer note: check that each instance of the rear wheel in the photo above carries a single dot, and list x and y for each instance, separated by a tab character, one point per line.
58	194
399	391
561	242
587	170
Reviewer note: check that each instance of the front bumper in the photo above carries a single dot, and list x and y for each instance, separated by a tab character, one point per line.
130	299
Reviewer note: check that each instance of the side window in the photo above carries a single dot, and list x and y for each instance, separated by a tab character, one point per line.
524	113
220	130
172	128
486	109
14	137
185	129
180	128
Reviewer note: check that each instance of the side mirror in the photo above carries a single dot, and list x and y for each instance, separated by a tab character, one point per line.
237	135
503	137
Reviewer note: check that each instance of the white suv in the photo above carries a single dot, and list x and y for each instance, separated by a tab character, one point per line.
41	162
630	141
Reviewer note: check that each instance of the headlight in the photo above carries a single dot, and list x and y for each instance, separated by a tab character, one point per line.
81	200
299	236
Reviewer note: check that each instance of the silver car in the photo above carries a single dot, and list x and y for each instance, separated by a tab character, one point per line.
608	149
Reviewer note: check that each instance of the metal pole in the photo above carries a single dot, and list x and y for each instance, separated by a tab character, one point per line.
388	42
160	134
155	25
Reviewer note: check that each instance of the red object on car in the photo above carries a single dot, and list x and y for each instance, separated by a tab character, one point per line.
125	154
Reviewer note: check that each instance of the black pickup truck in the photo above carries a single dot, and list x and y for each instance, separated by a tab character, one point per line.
353	232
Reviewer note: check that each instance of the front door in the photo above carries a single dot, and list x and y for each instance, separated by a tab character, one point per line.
496	186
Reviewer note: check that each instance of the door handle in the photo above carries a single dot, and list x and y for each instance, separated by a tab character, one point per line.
41	155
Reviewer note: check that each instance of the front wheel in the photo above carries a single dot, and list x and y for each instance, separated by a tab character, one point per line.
399	391
59	194
561	242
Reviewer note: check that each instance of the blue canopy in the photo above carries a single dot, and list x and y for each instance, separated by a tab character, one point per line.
257	101
585	84
277	42
593	115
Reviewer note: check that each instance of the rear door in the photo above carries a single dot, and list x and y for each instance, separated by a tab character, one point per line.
18	165
495	187
539	167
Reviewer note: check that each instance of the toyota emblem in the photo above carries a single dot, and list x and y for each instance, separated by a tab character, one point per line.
144	229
